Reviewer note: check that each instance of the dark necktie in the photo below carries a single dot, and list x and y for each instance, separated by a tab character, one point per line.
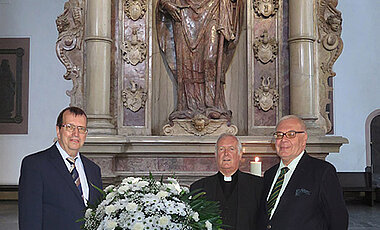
276	190
74	174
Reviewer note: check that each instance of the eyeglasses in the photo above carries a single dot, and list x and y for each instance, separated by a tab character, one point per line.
290	134
71	128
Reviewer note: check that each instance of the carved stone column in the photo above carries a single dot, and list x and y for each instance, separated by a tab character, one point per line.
98	64
301	42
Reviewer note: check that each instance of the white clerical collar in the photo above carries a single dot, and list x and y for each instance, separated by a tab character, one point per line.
228	178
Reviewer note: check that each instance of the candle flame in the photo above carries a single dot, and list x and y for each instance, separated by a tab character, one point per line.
257	159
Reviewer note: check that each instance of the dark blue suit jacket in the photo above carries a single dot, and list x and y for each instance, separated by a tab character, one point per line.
312	200
48	197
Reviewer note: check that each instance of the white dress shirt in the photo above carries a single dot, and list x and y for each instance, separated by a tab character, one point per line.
292	166
80	169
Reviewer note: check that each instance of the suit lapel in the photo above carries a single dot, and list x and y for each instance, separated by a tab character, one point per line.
89	178
57	161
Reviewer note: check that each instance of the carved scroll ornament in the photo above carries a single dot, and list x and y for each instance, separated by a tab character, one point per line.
134	51
134	98
265	48
265	8
331	46
266	97
70	25
134	9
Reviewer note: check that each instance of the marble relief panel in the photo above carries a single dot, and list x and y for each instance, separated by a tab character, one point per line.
269	96
265	70
133	58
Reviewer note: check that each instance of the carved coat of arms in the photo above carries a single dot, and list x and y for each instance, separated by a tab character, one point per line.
265	8
134	51
134	98
265	48
134	9
266	97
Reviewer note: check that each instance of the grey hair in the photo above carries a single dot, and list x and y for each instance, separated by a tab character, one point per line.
240	147
295	117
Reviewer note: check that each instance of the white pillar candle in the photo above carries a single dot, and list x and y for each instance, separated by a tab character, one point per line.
256	167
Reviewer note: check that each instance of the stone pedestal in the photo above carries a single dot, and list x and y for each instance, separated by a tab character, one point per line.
199	127
188	157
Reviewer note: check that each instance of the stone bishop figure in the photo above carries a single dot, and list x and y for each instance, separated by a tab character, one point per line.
197	40
238	193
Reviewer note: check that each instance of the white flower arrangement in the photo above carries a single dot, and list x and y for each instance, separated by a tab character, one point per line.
147	204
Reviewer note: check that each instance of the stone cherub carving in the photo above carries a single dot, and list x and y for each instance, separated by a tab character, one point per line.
197	40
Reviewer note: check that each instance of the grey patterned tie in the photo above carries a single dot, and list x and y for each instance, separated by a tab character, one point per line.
74	174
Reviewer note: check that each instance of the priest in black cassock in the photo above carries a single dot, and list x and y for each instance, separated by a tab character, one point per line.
238	193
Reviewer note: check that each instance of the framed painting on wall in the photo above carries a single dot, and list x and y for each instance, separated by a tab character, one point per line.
14	85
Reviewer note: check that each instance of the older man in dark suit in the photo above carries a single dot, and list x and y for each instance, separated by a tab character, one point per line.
301	192
56	184
238	193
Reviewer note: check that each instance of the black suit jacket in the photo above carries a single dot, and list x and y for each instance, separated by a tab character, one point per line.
313	199
48	197
249	195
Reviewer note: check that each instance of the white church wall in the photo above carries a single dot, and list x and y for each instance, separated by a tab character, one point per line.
356	92
356	86
34	19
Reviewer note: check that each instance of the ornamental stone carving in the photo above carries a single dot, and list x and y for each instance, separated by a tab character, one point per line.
265	48
134	9
134	51
266	97
265	8
330	48
69	47
134	98
199	125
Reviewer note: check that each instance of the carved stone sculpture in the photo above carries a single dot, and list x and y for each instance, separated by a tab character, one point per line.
134	51
330	48
134	98
265	48
197	40
265	8
199	125
134	9
69	47
266	96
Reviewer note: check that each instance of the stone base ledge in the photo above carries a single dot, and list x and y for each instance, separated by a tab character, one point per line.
187	157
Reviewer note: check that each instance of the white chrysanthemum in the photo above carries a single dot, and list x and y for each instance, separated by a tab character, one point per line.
123	189
138	226
131	207
164	221
208	225
128	180
142	184
195	216
109	188
162	194
110	225
110	196
88	213
110	209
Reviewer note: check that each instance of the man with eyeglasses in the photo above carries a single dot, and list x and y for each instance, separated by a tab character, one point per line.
238	193
301	192
57	184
